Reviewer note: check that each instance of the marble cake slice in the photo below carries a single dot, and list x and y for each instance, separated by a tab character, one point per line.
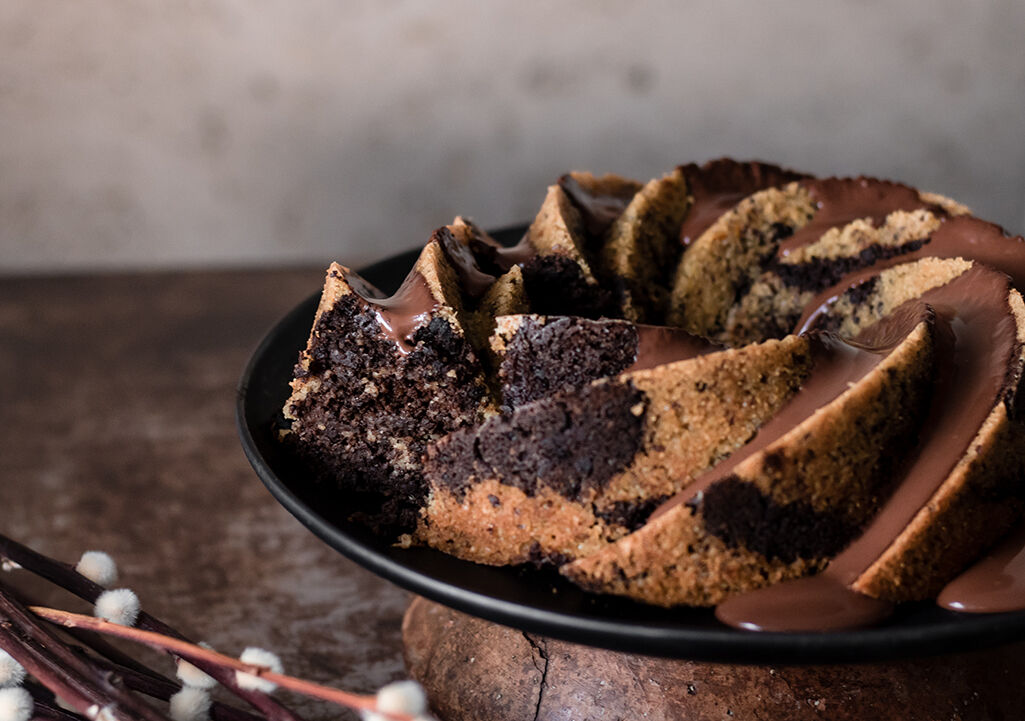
750	274
380	378
794	497
561	476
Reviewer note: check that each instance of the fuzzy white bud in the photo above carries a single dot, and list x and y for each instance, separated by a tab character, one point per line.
258	657
119	606
189	675
406	697
190	704
98	567
98	713
8	565
16	704
11	672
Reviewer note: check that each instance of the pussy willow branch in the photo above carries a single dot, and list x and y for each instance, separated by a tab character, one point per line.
65	576
194	653
160	687
46	706
53	664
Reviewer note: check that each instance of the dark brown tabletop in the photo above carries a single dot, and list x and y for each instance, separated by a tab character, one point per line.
118	433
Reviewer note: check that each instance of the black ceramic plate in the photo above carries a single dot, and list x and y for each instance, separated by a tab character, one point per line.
540	601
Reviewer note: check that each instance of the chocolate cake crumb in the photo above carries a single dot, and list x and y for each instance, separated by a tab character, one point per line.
430	391
556	285
742	516
571	443
544	358
630	514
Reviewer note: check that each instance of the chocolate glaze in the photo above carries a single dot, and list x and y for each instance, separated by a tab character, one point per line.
657	344
495	259
599	211
840	201
837	364
993	584
401	314
718	185
472	280
974	350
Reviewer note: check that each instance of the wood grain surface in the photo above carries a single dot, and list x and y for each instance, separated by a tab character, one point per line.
118	433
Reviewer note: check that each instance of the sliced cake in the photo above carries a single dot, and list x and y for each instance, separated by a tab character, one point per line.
561	476
644	244
380	378
750	274
791	499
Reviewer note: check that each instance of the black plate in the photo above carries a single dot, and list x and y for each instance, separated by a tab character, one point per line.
542	602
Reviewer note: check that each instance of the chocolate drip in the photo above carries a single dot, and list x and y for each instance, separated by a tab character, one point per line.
599	211
472	280
657	345
995	583
842	201
495	259
400	315
973	355
718	185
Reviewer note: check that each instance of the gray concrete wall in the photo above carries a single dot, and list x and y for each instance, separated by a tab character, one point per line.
160	133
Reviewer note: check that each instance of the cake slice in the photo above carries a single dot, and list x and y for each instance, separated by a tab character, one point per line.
797	494
560	477
750	274
644	244
381	377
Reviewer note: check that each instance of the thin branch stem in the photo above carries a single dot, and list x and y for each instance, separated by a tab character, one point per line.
194	653
65	576
51	663
160	687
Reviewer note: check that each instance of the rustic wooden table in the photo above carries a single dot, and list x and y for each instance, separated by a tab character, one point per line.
117	408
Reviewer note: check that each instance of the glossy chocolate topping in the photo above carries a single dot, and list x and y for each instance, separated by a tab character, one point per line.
599	211
400	315
837	365
472	280
718	185
976	339
995	583
658	344
841	201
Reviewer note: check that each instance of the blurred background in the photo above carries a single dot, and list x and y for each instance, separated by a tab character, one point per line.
153	134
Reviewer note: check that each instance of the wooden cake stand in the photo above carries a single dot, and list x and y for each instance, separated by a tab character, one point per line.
475	670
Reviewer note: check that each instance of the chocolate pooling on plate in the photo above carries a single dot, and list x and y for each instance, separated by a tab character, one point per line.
994	584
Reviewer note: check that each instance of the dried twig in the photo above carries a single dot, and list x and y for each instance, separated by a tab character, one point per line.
65	576
48	660
194	653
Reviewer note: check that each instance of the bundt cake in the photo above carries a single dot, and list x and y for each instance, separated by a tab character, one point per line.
690	391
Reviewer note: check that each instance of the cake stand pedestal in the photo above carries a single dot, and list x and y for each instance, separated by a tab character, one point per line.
475	670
